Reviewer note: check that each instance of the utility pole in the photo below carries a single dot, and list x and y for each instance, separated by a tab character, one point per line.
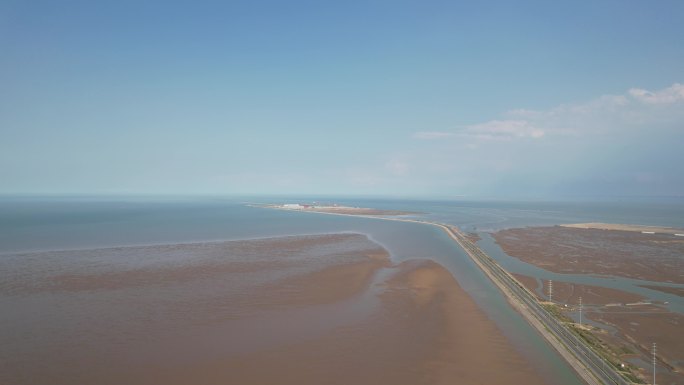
580	300
550	290
654	362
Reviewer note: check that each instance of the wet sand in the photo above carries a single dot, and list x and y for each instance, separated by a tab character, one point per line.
426	331
649	257
344	210
294	310
358	211
624	227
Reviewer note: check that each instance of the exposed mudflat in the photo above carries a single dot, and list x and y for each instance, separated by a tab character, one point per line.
651	257
294	310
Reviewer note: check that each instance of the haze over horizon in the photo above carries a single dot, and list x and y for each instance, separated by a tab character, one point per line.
371	98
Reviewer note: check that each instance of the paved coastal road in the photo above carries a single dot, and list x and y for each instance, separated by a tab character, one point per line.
601	371
593	369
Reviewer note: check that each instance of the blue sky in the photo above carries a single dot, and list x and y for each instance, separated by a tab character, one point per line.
412	98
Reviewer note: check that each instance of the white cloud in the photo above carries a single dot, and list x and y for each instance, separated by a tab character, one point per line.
504	130
603	114
491	130
638	109
623	144
672	94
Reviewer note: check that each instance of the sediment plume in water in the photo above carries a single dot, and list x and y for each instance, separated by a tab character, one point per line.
293	310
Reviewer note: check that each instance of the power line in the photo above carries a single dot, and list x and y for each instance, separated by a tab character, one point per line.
654	362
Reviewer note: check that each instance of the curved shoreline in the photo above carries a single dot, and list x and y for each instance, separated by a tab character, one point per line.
276	310
587	372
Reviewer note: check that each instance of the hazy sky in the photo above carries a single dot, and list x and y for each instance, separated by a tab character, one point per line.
420	98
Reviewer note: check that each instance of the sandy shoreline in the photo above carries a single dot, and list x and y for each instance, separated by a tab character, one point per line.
295	310
625	227
342	210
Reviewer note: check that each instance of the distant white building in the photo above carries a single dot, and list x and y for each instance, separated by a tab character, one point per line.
292	206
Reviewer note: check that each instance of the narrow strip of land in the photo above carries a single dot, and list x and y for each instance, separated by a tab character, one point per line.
592	368
623	227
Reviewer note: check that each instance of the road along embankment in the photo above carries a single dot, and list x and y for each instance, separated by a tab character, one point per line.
593	369
590	366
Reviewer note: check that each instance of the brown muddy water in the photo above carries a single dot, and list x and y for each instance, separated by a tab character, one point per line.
288	310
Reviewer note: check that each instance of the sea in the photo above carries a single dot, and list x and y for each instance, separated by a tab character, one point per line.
39	230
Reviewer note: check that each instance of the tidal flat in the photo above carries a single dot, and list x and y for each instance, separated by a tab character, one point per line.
328	308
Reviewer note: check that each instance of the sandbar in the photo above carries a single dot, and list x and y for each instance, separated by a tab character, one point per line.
336	209
626	227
